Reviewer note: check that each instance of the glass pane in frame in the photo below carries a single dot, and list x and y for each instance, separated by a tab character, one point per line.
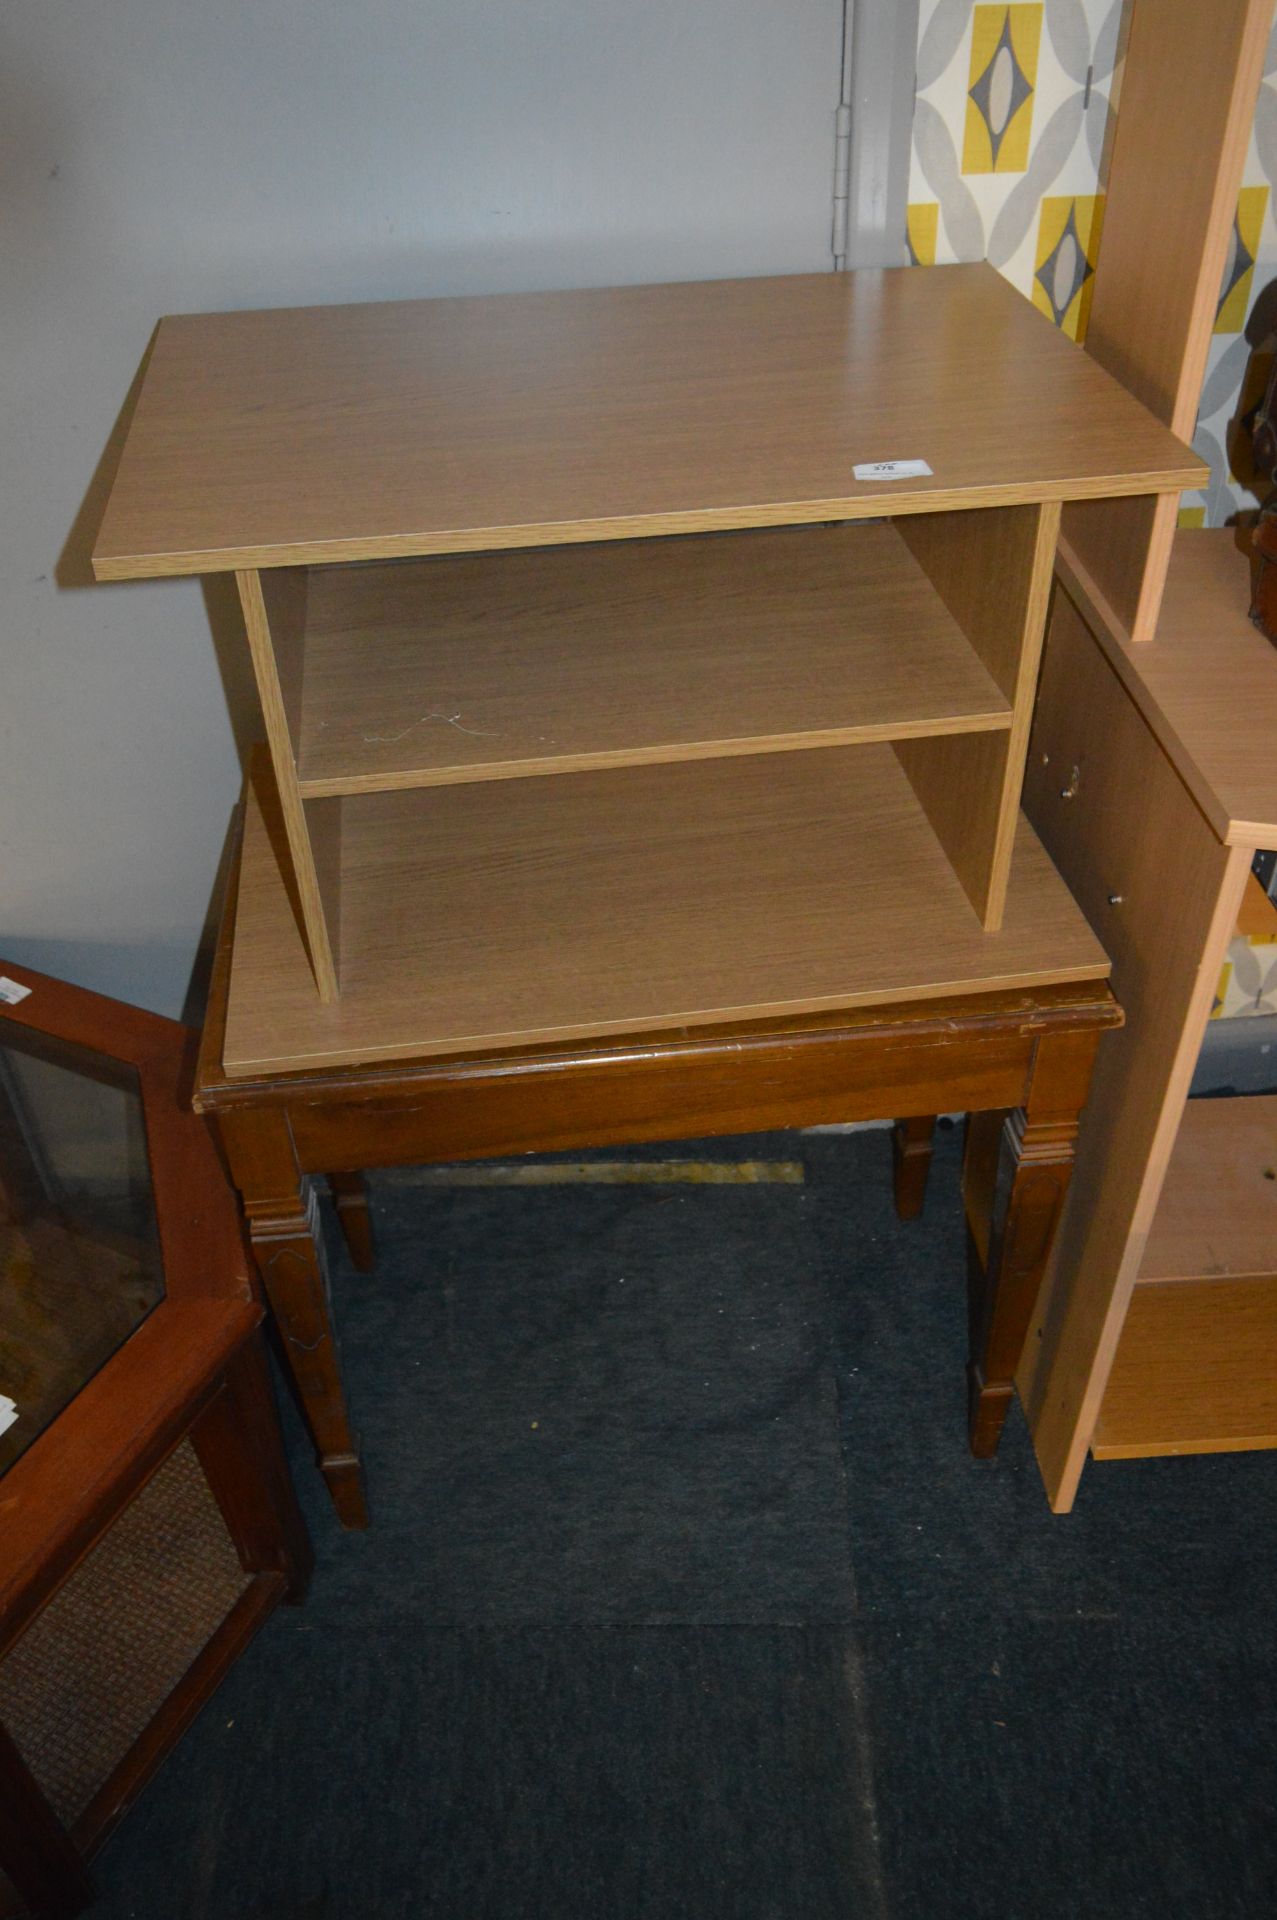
80	1261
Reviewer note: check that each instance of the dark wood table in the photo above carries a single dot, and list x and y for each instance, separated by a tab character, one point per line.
1019	1063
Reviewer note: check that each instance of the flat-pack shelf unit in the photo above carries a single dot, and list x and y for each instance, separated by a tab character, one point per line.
1152	780
756	571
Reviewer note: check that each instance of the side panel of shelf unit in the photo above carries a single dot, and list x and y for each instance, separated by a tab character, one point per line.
992	570
1162	893
309	839
1189	85
1194	1371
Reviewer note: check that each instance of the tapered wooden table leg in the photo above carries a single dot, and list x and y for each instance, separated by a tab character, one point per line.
288	1248
1016	1174
911	1162
350	1197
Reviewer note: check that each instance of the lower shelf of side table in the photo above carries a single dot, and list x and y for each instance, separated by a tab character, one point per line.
645	899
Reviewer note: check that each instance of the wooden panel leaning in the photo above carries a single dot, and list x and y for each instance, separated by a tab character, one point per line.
1158	725
1151	874
1188	98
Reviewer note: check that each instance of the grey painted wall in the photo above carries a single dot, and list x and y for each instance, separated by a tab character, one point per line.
178	155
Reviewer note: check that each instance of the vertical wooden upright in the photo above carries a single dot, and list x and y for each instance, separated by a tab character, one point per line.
1184	117
274	606
993	572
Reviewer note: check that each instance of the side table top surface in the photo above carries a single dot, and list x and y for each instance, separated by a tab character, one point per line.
344	433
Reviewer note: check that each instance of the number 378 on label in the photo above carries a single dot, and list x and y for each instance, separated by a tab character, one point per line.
891	470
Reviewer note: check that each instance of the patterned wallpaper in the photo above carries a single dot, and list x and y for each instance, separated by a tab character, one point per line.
1009	130
1012	123
1248	983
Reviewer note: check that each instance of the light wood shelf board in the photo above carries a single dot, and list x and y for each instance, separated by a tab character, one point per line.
645	900
1217	1214
1194	1372
1206	682
326	434
419	673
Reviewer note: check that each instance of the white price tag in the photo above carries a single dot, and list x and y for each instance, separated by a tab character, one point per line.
8	1413
11	992
891	470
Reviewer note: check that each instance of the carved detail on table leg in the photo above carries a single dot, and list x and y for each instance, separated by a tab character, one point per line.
911	1142
1024	1199
350	1197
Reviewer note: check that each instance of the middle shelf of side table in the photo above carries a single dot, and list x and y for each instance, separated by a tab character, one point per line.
560	659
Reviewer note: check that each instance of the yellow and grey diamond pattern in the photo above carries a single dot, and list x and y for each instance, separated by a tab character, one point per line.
1012	124
1248	983
1010	121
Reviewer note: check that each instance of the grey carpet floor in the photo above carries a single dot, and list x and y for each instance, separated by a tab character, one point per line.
683	1597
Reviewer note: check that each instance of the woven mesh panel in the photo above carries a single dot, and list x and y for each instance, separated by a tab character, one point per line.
96	1665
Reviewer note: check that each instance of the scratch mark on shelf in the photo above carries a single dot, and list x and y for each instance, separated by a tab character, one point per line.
449	719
